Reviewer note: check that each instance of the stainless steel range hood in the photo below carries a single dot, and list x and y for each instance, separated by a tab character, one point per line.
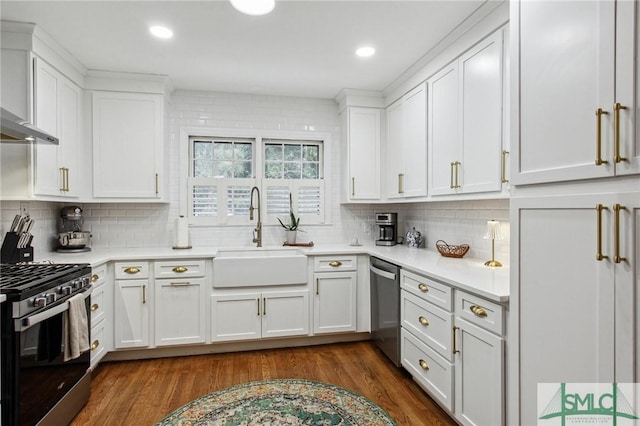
13	129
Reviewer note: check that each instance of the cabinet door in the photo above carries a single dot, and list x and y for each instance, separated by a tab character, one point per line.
627	87
563	299
236	317
566	72
127	145
69	118
180	311
394	156
444	130
335	302
479	376
414	153
364	153
481	89
285	313
132	314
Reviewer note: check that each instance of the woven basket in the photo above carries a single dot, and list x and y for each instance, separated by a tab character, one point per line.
452	251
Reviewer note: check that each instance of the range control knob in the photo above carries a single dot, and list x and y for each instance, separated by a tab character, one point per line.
39	301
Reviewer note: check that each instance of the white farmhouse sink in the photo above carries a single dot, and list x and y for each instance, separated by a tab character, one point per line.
253	267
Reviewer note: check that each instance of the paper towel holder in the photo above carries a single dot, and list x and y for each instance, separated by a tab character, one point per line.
181	234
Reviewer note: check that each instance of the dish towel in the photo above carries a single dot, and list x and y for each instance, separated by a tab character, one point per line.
76	328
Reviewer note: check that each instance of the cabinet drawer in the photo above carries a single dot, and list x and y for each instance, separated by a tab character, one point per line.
427	289
481	312
98	343
179	269
334	263
98	303
432	325
99	275
131	270
430	370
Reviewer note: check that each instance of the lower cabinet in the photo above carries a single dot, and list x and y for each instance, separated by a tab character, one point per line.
132	312
180	311
335	294
246	315
455	349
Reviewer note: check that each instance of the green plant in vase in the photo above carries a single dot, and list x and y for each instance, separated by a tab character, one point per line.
291	228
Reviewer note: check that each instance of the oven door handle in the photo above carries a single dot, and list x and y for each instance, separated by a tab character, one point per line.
384	274
24	323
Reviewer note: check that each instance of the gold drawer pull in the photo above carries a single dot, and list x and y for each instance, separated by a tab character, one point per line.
180	269
423	364
478	311
132	270
599	114
184	283
616	138
423	321
94	278
94	307
423	287
95	345
335	263
617	258
453	337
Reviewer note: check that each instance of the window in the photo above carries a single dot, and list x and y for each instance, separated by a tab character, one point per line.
223	170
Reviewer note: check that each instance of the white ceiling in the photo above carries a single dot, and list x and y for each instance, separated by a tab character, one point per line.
303	48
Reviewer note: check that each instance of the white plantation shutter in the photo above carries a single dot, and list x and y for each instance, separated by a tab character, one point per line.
307	196
225	200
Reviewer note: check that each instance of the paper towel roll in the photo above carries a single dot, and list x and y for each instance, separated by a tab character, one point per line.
181	233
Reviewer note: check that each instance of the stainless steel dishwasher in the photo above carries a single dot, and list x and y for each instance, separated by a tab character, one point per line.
385	307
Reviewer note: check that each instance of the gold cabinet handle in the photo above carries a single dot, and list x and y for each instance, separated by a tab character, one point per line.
452	165
94	278
453	337
478	311
131	270
335	263
95	345
458	164
616	133
599	255
94	307
423	287
264	306
61	179
505	153
66	182
423	321
258	311
144	294
181	283
599	114
400	183
317	286
423	364
617	258
157	191
353	187
180	269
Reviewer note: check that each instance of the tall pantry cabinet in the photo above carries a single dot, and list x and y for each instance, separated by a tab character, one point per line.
575	235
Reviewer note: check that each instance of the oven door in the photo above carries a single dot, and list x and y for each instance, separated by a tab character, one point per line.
43	378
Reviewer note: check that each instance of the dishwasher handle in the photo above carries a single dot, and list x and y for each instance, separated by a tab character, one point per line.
382	273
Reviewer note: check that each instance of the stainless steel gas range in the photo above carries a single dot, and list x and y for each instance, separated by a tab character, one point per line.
40	386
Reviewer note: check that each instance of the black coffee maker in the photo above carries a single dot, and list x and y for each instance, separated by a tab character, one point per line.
388	224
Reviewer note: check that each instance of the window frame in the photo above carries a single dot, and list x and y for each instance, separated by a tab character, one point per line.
261	137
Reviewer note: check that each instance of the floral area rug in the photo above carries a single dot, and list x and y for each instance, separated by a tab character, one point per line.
280	402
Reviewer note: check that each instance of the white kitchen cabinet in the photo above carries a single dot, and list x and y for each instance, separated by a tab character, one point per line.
133	296
363	133
128	141
180	289
335	295
466	121
406	145
574	292
58	111
563	85
479	362
101	314
246	315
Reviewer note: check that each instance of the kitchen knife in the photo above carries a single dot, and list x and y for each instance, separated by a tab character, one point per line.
29	225
14	224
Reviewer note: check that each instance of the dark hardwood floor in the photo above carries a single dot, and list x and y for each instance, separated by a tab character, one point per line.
142	392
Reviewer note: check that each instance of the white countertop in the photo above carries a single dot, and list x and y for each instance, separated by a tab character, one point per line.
467	274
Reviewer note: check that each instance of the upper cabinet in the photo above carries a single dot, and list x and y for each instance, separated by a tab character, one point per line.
406	145
466	122
578	114
128	132
57	110
363	130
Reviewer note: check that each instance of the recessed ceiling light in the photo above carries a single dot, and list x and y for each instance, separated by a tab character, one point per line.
365	51
254	7
161	32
